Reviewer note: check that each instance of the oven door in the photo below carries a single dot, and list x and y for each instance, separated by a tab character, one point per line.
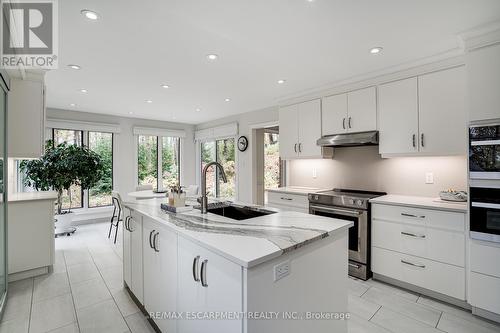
358	234
485	214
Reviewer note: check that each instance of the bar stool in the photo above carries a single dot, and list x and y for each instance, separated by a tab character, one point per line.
117	213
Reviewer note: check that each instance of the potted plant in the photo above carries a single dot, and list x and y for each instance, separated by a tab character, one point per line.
62	166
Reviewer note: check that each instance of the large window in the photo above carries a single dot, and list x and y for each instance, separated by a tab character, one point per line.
272	161
102	144
72	137
158	161
222	151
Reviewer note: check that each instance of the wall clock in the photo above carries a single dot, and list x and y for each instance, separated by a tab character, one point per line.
242	143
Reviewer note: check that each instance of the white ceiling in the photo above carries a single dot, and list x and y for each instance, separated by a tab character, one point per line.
138	45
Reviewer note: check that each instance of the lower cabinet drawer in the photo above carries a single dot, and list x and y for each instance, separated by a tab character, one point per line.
485	292
298	209
442	278
420	241
285	199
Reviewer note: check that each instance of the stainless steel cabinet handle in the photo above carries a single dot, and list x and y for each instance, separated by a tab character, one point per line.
154	242
125	224
412	235
411	215
422	140
284	198
413	141
151	235
343	123
204	273
300	147
412	264
349	123
196	276
295	147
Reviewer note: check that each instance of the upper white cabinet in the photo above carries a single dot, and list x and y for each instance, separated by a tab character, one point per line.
483	79
423	115
398	117
26	115
352	112
300	128
442	118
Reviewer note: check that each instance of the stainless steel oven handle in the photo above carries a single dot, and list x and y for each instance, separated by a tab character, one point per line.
412	264
485	205
412	235
485	143
336	210
355	266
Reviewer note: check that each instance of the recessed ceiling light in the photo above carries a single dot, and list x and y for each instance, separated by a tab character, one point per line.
227	100
212	57
281	81
130	112
72	104
72	66
198	109
90	14
376	50
84	91
174	117
149	101
166	86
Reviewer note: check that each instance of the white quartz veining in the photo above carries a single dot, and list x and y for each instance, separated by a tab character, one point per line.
421	202
296	190
248	242
30	196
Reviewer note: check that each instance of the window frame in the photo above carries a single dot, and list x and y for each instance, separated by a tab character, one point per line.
159	159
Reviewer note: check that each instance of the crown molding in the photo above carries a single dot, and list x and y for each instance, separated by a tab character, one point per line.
480	36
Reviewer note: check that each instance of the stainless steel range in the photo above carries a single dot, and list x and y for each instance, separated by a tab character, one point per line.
351	205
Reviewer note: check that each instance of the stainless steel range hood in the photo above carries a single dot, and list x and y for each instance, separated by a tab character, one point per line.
349	139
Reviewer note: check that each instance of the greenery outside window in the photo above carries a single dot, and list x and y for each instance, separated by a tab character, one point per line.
222	151
102	144
158	161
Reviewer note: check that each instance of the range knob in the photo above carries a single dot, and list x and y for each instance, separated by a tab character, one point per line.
351	201
316	197
359	202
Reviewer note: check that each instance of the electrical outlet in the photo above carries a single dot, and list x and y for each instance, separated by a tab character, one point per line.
315	173
281	270
429	178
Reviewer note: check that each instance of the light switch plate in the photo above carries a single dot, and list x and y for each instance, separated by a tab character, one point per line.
429	178
281	270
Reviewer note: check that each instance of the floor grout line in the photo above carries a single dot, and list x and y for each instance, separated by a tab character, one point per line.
440	316
71	292
380	307
31	303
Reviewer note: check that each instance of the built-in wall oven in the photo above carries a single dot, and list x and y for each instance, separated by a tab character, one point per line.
484	152
351	205
485	214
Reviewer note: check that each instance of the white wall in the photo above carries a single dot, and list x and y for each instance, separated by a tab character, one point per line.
363	168
124	145
246	122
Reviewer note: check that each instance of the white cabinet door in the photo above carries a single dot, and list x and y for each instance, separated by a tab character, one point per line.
26	115
222	291
288	117
309	121
136	256
334	114
362	110
160	273
127	260
442	117
398	117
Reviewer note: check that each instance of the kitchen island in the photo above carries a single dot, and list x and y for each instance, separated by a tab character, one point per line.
193	272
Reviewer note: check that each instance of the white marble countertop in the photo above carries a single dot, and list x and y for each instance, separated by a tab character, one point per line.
31	196
421	202
249	242
296	190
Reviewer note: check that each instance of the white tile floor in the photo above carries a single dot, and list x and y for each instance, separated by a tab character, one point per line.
85	294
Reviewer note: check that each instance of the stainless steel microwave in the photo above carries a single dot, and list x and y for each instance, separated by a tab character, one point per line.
484	152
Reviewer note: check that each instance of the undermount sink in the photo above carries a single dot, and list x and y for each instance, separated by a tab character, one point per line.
238	212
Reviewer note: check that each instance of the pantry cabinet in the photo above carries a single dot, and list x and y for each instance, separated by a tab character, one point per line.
160	275
351	112
26	115
300	128
424	115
